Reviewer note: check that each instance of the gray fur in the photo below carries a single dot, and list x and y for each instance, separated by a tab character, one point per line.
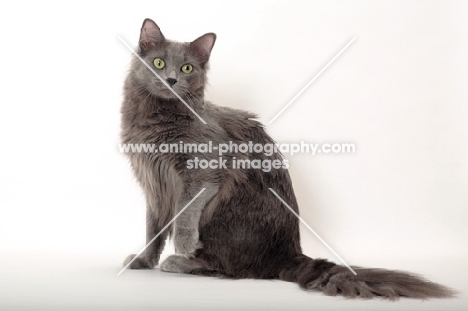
178	264
186	225
237	228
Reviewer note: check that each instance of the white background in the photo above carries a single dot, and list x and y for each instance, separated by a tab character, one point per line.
68	198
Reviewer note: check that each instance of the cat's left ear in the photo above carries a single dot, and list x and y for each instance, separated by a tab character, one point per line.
203	46
150	34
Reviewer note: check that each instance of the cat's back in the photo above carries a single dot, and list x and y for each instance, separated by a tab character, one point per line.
235	124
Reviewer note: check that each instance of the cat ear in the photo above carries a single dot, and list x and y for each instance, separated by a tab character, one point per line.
150	34
203	45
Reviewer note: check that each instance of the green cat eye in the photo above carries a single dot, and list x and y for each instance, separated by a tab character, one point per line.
187	68
159	63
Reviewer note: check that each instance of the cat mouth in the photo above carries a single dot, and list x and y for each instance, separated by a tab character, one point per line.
167	93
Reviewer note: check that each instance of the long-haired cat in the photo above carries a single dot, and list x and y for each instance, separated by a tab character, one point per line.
236	227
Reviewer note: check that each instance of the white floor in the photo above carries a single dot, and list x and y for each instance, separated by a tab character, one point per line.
89	283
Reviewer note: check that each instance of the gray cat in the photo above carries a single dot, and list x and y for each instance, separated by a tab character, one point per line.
236	228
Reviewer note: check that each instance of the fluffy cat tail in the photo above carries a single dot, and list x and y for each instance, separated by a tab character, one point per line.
334	280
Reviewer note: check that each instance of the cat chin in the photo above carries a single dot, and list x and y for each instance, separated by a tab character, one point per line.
166	97
165	94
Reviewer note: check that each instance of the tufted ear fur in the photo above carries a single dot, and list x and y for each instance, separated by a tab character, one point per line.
150	34
202	46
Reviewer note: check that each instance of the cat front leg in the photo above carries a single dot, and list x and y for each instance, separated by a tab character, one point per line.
186	236
150	257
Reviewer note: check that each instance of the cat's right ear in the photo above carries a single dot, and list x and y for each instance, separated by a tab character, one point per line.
150	35
203	46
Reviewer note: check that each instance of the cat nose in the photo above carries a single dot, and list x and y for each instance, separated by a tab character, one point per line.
171	81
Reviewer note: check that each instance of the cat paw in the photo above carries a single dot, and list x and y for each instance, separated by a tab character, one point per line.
186	243
179	264
138	263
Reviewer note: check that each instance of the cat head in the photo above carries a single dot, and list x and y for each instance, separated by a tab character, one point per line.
182	65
